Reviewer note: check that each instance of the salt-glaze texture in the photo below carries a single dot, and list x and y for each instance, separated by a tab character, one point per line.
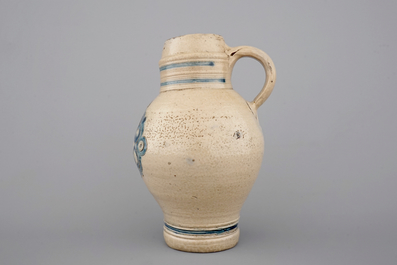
199	146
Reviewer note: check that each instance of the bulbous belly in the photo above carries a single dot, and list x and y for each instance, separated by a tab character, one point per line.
204	148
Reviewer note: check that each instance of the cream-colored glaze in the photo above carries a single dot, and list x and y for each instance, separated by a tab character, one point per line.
204	145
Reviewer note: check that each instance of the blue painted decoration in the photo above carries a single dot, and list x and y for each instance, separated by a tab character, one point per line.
186	64
200	232
194	80
140	144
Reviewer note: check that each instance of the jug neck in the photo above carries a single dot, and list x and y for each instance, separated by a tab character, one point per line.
194	61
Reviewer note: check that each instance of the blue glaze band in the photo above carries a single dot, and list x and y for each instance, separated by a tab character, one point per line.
200	232
195	80
186	64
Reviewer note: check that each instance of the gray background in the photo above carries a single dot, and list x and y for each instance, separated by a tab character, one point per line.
76	76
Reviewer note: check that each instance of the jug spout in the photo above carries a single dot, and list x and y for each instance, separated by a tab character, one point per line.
194	61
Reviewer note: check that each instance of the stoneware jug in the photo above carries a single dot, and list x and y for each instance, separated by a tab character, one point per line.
199	145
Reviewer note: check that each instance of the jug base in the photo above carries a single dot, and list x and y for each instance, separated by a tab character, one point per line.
204	243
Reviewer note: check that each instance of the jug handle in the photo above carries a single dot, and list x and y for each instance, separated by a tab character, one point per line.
236	53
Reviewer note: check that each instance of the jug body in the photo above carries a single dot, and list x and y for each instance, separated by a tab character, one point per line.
199	145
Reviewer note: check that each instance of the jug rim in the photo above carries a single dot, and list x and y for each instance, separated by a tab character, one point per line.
195	34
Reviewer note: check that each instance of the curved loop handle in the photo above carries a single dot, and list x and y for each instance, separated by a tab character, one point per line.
236	53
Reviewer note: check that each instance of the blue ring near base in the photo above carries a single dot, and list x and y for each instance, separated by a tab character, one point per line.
200	232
